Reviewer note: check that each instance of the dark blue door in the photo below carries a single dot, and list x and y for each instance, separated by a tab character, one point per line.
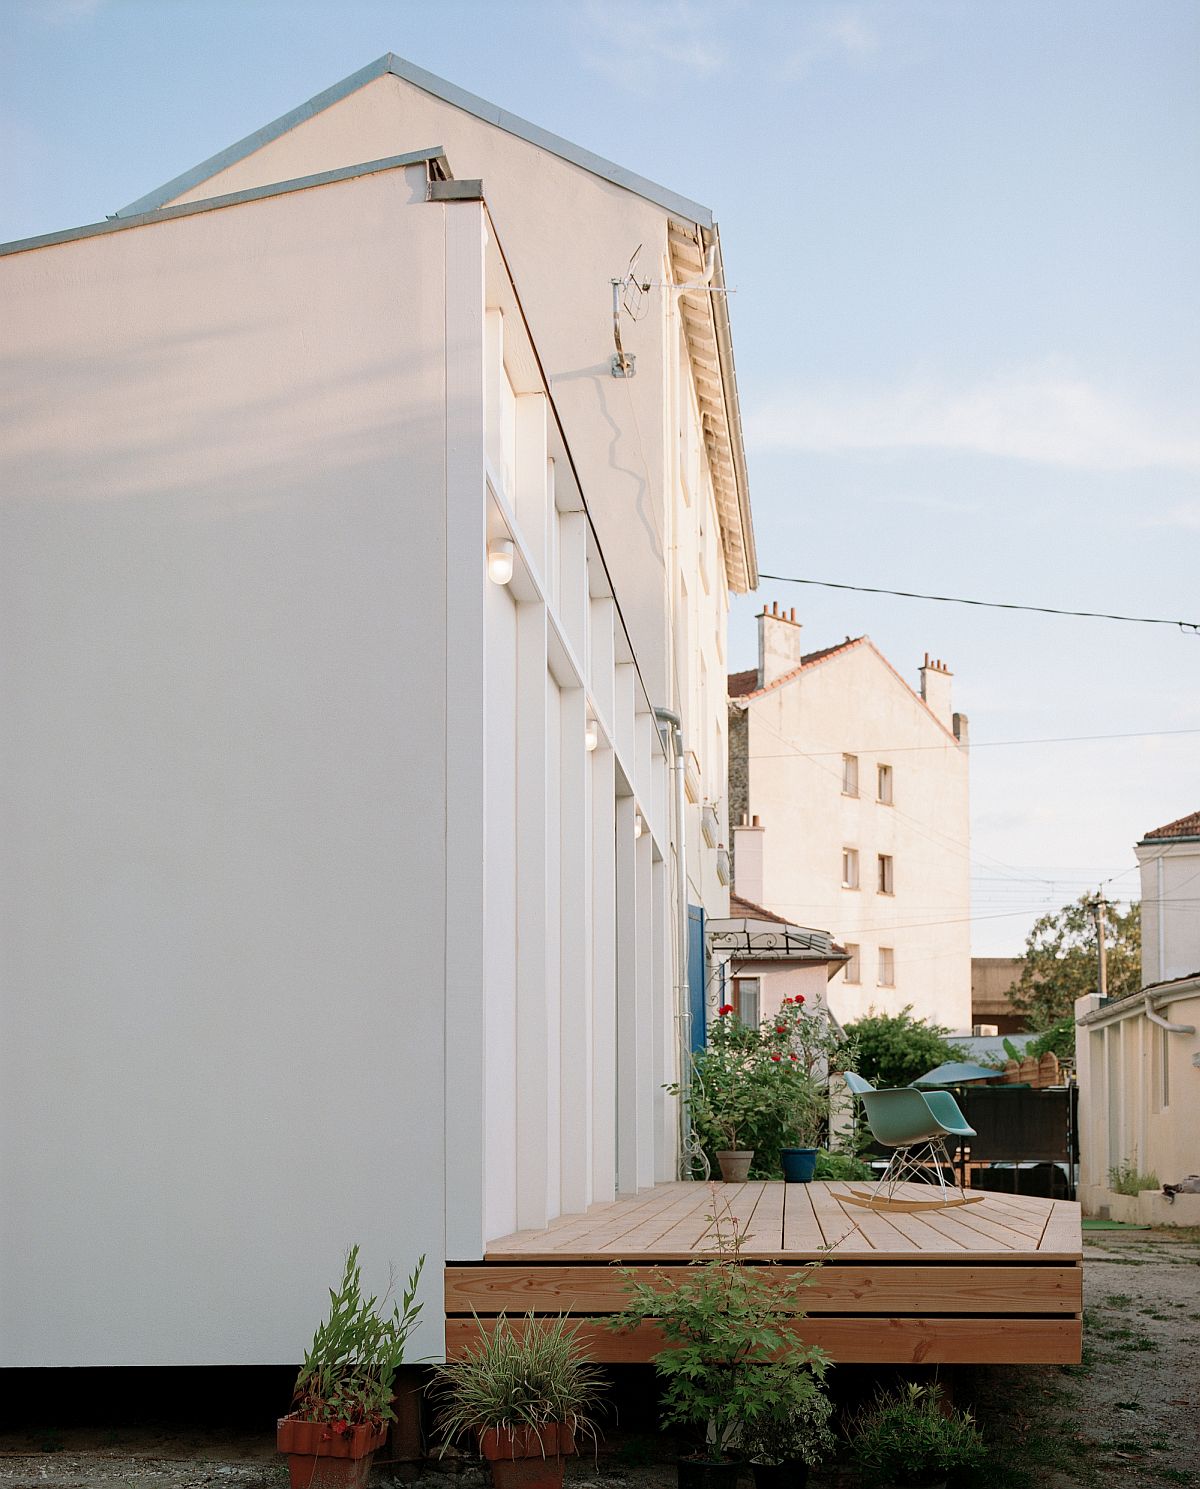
697	969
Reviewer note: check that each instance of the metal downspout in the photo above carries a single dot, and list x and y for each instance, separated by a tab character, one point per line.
683	1011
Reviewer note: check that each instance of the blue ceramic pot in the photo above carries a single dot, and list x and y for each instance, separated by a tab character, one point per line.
799	1164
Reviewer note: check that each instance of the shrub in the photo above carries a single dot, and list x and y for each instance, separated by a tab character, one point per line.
731	1363
799	1433
894	1049
905	1437
1127	1179
764	1088
841	1166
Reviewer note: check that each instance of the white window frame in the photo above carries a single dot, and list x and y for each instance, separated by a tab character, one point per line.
752	987
849	775
887	959
850	877
883	785
853	971
886	874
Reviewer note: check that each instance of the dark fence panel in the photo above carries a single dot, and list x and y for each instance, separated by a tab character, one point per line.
1019	1124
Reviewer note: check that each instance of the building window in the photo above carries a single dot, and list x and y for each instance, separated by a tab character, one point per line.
849	868
886	878
853	974
747	1000
887	967
849	775
883	791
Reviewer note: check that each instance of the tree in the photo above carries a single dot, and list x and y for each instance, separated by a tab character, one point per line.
1061	960
894	1049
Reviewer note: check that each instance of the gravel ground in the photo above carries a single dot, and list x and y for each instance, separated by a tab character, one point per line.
1127	1418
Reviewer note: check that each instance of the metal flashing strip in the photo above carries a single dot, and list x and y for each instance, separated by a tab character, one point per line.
448	92
490	113
223	159
456	191
233	199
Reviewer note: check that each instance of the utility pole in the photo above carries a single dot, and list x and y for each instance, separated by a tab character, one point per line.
1098	906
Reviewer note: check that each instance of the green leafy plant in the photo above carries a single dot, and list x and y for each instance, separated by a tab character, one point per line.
895	1048
798	1434
512	1379
764	1088
1126	1178
731	1363
348	1370
1060	958
908	1437
1058	1040
841	1166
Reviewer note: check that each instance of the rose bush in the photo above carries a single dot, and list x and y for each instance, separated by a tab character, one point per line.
764	1088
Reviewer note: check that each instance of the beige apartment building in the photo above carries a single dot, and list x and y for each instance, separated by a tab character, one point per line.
849	794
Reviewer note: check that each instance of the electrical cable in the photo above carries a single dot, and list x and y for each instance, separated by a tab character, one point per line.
1188	627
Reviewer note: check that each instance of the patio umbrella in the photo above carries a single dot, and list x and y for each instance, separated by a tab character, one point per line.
955	1073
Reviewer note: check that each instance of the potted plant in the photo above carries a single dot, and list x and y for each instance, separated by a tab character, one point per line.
731	1359
755	1092
909	1437
791	1438
525	1395
343	1398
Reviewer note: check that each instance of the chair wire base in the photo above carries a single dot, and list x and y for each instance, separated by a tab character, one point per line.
913	1165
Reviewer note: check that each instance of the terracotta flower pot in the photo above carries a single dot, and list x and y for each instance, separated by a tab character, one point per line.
320	1458
735	1164
528	1457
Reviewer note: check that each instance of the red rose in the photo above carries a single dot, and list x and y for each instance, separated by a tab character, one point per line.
776	1057
724	1009
793	1057
780	1029
799	997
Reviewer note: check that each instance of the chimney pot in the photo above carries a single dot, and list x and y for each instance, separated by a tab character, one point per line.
754	822
792	615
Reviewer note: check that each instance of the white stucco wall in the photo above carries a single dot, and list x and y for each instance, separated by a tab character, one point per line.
1139	1093
1170	874
223	561
567	233
853	702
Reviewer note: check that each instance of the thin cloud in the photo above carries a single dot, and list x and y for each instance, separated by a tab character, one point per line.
1040	416
65	13
630	44
844	34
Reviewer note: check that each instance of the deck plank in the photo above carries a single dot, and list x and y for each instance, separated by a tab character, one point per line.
847	1287
870	1341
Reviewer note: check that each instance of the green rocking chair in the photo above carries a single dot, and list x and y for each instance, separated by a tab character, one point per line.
915	1125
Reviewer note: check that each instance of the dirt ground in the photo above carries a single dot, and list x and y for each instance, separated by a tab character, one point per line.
1128	1416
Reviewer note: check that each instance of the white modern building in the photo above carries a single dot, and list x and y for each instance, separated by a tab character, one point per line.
849	794
1138	1057
364	565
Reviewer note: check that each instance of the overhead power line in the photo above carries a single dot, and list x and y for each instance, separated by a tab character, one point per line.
1188	627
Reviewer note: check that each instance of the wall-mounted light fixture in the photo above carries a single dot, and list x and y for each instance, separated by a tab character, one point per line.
591	735
500	560
638	824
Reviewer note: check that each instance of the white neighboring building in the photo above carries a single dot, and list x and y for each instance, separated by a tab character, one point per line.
852	792
1138	1057
340	888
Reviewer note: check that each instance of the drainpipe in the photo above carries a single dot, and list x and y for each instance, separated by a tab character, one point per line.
671	726
1163	1024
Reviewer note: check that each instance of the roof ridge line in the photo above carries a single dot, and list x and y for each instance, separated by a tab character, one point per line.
396	66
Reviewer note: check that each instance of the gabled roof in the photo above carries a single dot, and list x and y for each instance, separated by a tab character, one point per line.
428	82
743	689
1182	827
745	684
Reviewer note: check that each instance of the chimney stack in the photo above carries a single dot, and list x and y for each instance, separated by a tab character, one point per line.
748	861
778	643
936	690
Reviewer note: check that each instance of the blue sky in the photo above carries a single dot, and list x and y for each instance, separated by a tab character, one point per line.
964	240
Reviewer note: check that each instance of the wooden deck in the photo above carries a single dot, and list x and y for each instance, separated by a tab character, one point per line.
998	1281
